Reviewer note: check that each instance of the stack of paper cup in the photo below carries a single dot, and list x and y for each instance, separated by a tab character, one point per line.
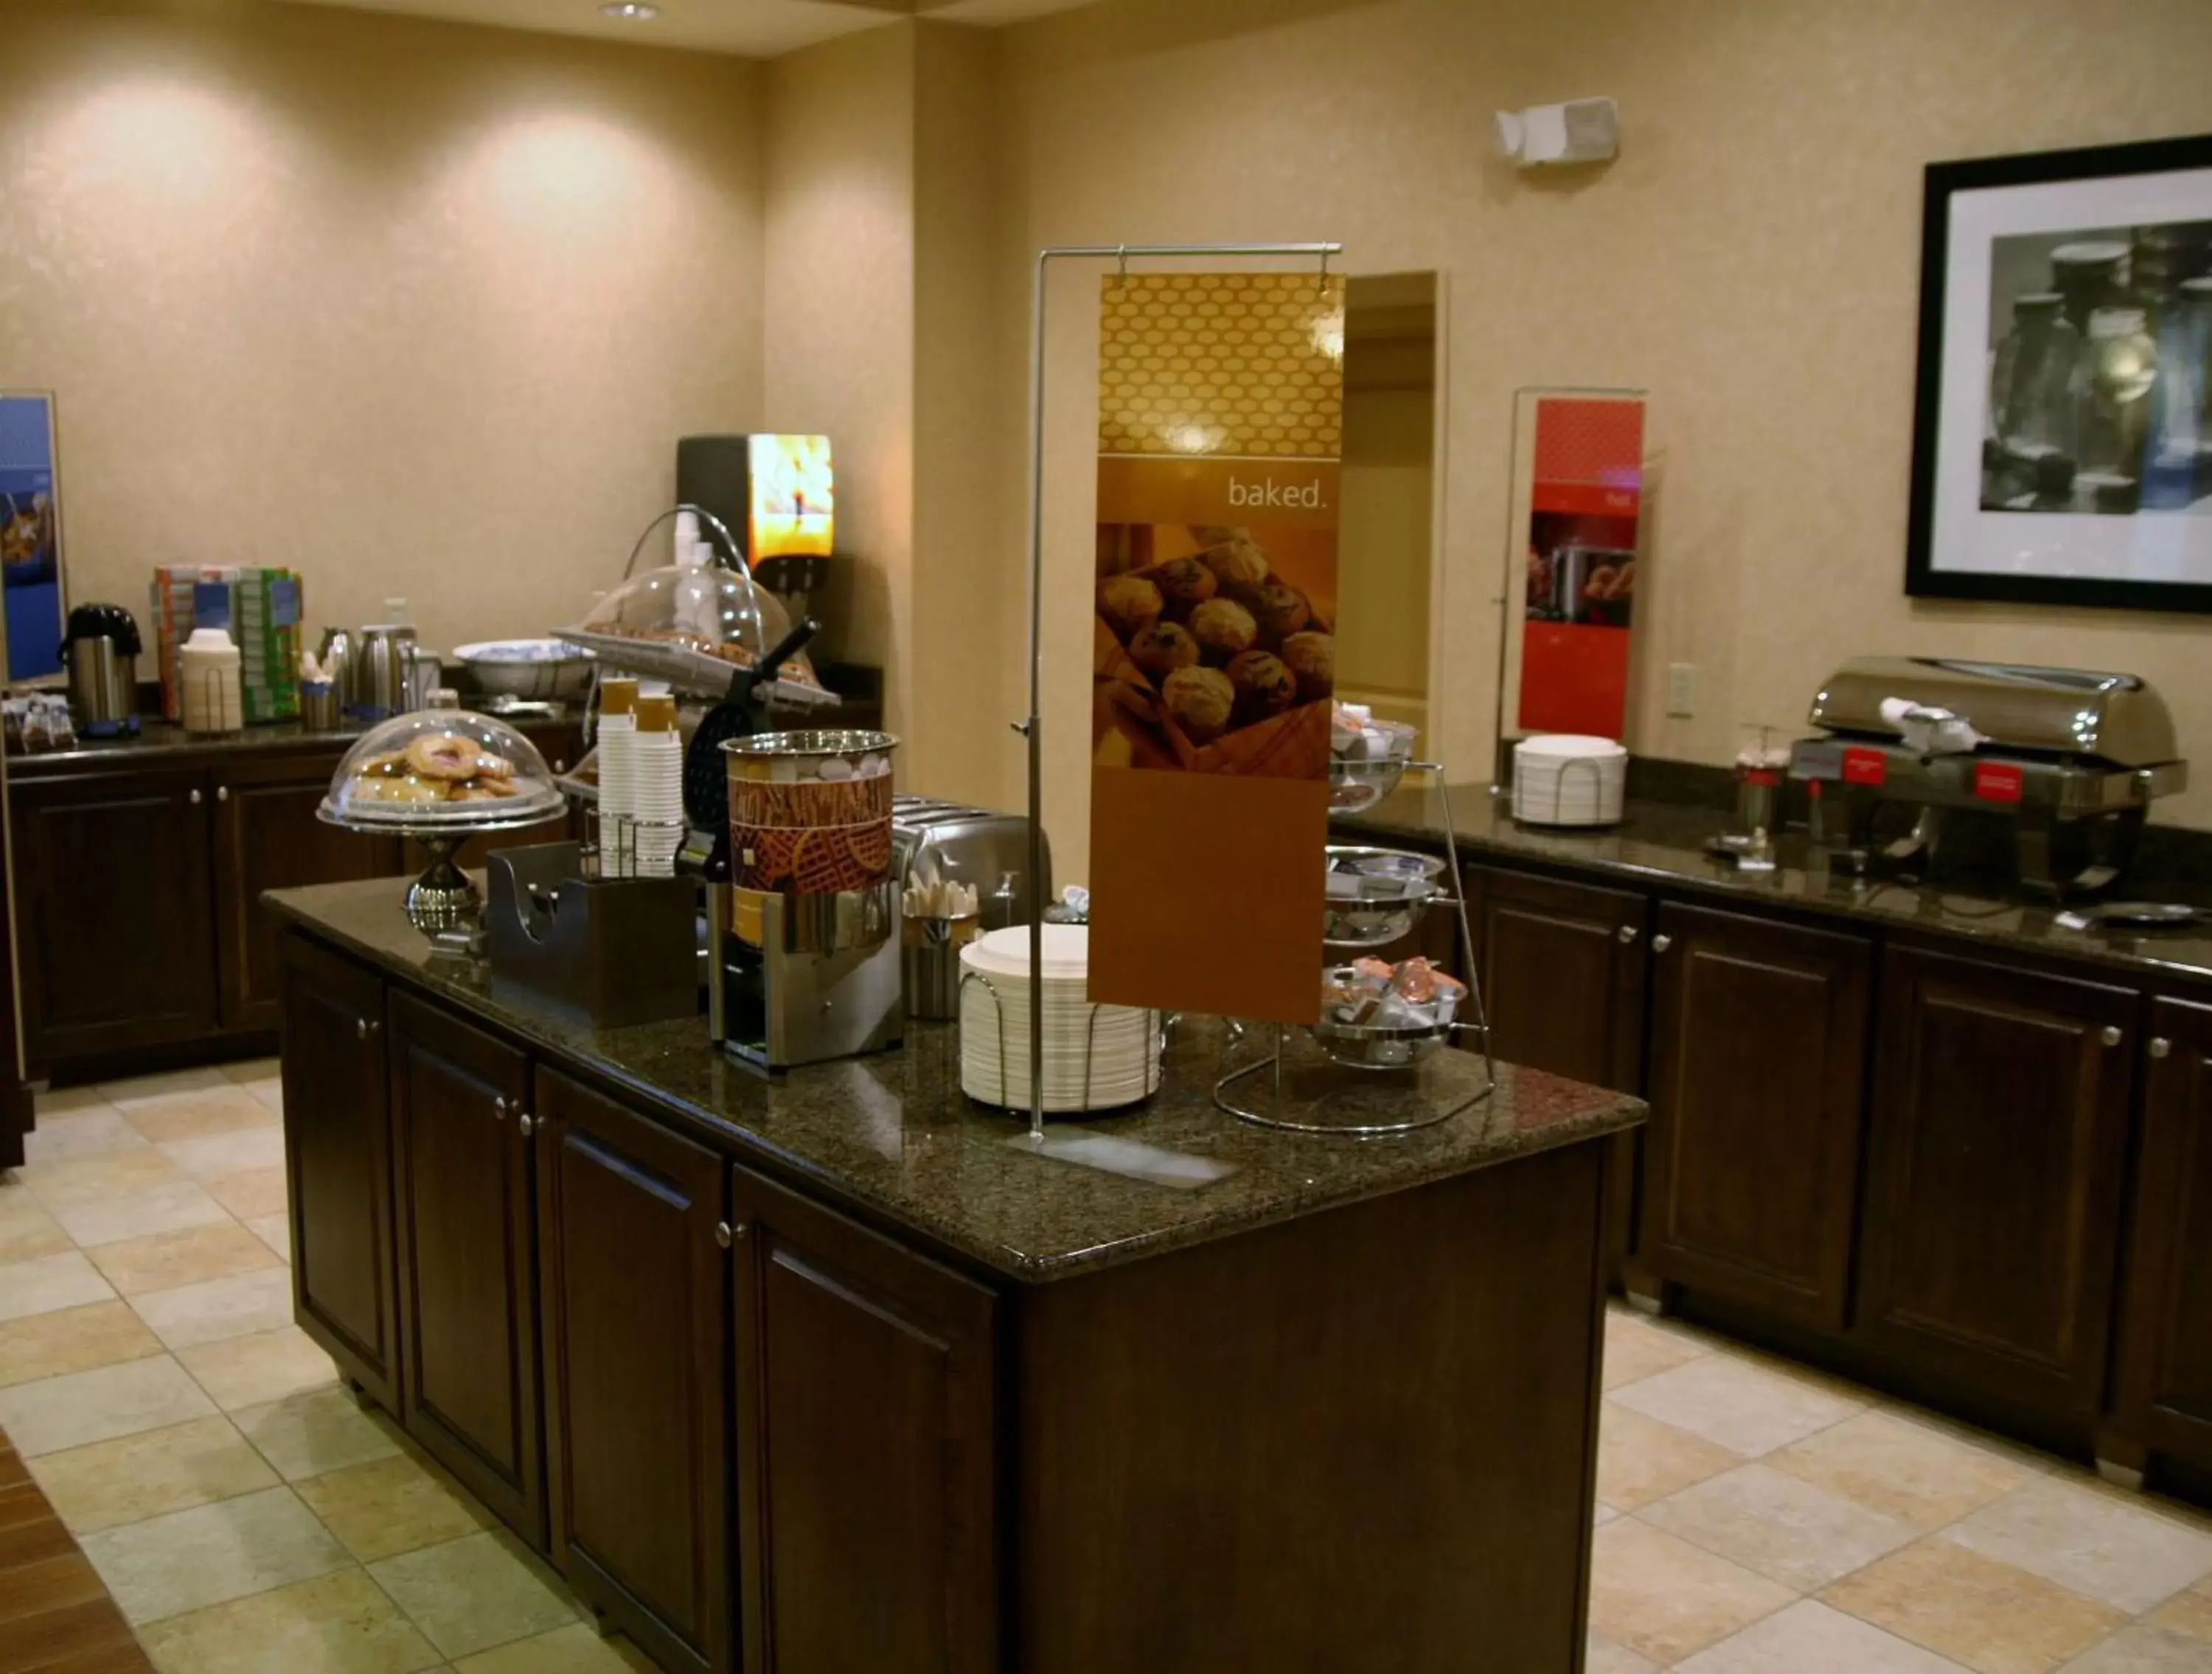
617	753
657	786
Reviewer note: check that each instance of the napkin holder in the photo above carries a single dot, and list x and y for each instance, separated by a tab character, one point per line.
610	951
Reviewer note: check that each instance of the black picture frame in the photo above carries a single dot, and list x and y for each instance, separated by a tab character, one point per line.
1924	579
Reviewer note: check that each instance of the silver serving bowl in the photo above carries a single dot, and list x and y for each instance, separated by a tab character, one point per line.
1376	896
549	670
1354	787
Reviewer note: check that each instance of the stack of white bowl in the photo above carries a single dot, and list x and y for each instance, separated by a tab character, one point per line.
1566	779
1121	1049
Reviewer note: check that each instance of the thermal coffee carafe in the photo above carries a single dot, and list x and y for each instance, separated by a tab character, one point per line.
101	649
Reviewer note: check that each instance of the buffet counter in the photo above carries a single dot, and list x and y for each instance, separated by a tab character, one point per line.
583	1265
1859	1090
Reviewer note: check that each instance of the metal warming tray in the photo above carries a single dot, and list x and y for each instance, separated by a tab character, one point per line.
2074	757
958	843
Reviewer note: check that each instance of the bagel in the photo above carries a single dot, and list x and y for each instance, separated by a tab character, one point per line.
444	757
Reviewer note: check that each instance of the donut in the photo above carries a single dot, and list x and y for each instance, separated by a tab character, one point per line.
442	756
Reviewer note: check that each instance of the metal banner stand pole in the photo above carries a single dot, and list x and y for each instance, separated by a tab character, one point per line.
1033	729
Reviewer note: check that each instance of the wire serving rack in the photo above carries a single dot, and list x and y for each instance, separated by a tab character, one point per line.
1302	1073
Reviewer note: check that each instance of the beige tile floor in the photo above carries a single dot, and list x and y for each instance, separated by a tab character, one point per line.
1756	1518
248	1518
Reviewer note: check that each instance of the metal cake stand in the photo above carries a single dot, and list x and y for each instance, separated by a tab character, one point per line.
444	896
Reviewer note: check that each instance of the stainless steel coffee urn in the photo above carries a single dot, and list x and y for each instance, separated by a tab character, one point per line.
101	649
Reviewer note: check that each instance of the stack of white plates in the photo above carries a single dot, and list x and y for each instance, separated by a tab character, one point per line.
1566	779
1090	1064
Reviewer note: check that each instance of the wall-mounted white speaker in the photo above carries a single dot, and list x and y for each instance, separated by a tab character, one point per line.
1580	131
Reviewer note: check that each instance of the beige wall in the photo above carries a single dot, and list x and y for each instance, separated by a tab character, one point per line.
840	347
417	309
1752	258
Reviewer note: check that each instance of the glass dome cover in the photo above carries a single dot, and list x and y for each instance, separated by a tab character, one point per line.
441	768
698	607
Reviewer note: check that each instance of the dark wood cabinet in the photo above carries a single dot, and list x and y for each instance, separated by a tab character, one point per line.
468	1305
866	1472
635	1285
337	1159
2165	1358
267	837
115	940
1563	978
1759	1045
1999	1144
1563	970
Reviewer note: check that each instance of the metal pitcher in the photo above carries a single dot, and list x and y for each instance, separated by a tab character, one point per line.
377	683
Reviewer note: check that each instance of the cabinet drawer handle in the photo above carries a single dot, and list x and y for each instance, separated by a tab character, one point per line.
223	793
1626	933
723	1235
2112	1036
194	799
2161	1046
1661	942
363	1027
498	1109
525	1124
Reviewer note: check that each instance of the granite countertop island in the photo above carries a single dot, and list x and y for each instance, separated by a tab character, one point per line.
835	1371
894	1134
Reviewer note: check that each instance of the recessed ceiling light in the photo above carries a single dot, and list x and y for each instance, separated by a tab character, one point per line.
632	11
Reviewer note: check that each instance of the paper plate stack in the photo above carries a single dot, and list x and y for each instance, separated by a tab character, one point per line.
1566	779
1120	1050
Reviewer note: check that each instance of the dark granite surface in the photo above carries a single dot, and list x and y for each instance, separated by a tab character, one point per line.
893	1134
159	744
1662	844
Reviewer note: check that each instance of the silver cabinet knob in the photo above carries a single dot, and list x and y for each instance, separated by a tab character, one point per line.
2111	1036
2161	1046
722	1233
223	793
1661	942
498	1109
1627	933
194	798
361	1028
525	1124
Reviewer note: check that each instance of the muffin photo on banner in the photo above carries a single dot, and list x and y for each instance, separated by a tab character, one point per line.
1220	423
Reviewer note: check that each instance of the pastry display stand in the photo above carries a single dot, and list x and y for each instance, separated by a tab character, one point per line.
444	898
690	672
1360	1080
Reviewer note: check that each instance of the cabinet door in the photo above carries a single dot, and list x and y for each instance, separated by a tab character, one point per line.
1563	970
337	1163
2000	1136
636	1300
1562	975
2166	1375
267	837
1757	1052
865	1436
116	938
467	1279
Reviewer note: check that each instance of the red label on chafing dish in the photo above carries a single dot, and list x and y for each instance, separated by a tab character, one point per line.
1865	767
1995	781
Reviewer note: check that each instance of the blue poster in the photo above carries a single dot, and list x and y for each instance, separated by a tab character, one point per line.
30	537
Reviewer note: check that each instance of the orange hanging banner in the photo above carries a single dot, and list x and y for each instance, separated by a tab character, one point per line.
1220	417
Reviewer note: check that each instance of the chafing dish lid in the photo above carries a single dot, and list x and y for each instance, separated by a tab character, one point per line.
2116	718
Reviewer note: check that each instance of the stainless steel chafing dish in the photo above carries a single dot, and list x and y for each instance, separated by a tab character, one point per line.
2073	756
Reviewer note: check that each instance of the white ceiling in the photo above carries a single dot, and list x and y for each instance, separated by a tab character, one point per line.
754	28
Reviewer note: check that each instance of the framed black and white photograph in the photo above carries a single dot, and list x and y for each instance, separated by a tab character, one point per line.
2063	426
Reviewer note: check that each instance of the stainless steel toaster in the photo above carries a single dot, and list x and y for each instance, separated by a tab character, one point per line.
953	843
